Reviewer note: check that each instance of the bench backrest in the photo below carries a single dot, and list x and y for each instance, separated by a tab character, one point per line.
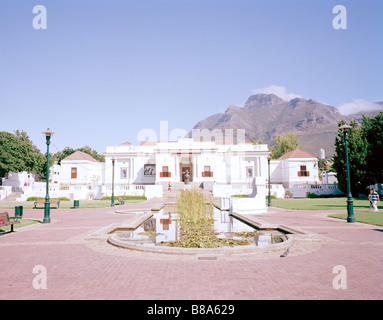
4	216
55	201
40	201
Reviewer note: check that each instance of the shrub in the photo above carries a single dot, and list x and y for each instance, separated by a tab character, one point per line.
34	198
315	196
125	198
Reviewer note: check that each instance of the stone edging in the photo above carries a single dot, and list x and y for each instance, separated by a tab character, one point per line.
249	249
103	234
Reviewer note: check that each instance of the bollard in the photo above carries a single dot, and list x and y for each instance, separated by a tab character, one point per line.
76	203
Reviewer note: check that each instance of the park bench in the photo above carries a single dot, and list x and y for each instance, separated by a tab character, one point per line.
41	203
5	220
121	200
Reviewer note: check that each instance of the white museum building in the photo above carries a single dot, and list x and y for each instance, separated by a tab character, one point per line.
222	167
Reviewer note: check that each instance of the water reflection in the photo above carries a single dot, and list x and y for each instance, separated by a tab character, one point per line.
164	227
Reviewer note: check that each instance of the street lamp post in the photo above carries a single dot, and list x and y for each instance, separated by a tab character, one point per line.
47	205
112	201
350	206
269	197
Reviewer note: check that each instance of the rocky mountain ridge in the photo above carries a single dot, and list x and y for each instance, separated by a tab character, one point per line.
265	115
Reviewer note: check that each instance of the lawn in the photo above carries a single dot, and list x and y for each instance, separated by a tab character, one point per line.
375	218
321	204
365	216
23	223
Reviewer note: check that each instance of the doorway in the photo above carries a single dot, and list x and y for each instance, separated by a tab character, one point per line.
183	169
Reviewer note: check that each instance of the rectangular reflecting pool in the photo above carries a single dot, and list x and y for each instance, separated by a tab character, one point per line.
225	230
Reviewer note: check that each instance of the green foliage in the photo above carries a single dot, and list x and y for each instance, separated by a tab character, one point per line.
35	198
372	131
18	153
67	151
365	151
315	196
285	143
125	198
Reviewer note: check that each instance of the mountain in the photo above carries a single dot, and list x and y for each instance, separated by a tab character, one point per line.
265	115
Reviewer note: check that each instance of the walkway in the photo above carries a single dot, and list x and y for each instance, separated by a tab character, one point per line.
91	269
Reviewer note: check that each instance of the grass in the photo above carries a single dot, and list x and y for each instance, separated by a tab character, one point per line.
365	216
375	218
321	204
64	204
23	223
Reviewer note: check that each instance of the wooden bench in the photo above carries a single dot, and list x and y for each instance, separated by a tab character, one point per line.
5	220
121	200
41	203
55	203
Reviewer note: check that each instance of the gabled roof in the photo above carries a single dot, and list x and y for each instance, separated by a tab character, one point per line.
127	143
148	143
296	154
79	155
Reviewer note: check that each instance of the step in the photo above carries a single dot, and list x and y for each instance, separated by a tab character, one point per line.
14	196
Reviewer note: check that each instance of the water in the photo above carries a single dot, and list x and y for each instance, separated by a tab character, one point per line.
164	227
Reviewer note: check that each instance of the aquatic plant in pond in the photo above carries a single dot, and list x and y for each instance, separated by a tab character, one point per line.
201	234
193	206
197	223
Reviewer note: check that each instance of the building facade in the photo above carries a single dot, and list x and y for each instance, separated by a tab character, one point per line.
207	162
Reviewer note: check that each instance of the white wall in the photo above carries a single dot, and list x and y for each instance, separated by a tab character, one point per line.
286	171
87	172
17	180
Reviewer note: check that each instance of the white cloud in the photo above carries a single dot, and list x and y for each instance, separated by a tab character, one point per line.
358	105
278	91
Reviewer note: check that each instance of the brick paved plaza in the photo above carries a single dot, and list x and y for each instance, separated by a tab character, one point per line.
77	268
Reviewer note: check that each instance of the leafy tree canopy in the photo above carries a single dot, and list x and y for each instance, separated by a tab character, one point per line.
18	153
365	151
67	151
285	143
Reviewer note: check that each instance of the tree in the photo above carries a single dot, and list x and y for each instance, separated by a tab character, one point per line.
372	132
356	155
67	151
365	150
18	153
285	143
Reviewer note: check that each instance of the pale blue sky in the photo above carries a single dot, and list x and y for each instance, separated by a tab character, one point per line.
105	69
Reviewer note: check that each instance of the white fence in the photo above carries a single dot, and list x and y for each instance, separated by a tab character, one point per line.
228	190
301	190
87	192
5	191
149	191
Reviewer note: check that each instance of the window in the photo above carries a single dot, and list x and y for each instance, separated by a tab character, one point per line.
165	172
124	173
207	172
73	173
149	170
303	172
